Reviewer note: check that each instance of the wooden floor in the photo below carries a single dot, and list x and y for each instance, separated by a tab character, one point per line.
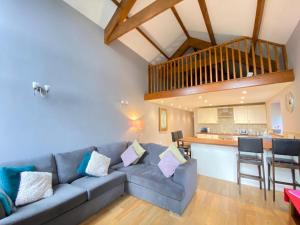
216	202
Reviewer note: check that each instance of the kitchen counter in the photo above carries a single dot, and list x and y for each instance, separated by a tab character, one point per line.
267	143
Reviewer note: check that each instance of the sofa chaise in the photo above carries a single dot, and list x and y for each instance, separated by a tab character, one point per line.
76	198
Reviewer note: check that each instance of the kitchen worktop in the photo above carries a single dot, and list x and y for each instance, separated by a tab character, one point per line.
267	143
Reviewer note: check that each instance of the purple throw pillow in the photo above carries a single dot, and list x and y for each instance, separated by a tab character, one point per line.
168	164
129	156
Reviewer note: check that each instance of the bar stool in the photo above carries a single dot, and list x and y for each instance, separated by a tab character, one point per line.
283	147
176	136
250	151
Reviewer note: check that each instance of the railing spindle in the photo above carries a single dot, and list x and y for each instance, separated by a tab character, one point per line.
186	72
221	61
246	56
285	58
233	62
240	61
269	57
205	68
178	73
261	57
216	64
191	71
182	72
196	72
227	63
253	58
200	66
276	57
210	66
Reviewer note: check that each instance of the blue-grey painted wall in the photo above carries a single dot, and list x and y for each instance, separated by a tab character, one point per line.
49	42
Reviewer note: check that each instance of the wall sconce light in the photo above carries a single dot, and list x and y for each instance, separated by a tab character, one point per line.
42	90
124	102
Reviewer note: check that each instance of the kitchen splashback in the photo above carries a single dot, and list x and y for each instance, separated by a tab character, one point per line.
227	126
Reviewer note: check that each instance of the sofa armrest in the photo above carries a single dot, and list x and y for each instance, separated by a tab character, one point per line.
2	212
186	175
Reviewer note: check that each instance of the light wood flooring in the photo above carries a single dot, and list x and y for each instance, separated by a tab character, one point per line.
216	202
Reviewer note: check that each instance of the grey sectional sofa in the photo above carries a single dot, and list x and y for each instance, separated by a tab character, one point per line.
76	198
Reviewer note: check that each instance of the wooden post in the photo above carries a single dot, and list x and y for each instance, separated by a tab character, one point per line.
196	72
240	60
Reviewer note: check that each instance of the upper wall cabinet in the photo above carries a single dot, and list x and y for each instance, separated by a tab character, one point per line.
253	114
207	115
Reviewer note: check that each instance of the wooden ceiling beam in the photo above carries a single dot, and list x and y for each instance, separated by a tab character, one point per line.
152	42
180	22
182	49
258	18
119	16
144	35
199	44
206	18
190	43
141	17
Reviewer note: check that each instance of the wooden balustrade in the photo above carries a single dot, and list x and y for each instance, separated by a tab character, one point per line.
228	61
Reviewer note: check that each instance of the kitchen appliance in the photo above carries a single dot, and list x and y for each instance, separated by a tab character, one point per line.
204	130
244	132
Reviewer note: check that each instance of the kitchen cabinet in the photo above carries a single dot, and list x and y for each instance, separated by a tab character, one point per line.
252	114
240	114
207	115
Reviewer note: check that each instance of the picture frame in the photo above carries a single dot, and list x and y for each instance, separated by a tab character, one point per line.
163	119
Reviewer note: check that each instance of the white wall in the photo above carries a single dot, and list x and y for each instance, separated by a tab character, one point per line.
291	121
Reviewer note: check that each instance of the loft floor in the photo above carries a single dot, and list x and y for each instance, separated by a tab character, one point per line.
215	202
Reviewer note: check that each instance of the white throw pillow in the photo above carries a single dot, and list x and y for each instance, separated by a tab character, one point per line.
34	186
98	165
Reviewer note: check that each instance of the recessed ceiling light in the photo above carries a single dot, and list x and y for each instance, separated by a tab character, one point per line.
171	104
162	102
243	97
244	92
185	108
205	101
179	106
200	97
242	102
210	104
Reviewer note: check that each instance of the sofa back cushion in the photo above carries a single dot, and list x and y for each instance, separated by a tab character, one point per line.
68	162
44	163
152	153
113	151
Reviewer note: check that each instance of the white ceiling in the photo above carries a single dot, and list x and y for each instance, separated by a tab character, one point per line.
229	97
229	18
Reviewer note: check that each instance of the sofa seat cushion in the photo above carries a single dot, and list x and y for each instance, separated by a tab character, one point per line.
132	169
96	186
153	179
65	198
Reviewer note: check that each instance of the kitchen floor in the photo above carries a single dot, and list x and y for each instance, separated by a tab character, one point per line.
216	202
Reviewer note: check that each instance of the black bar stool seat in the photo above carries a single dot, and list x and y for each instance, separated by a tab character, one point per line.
284	163
250	159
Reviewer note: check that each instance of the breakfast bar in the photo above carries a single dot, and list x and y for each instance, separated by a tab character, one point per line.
216	157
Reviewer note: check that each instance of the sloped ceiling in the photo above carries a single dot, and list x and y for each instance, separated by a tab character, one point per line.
229	19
